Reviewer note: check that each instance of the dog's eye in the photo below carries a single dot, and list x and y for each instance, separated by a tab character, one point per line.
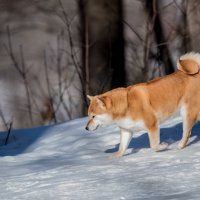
93	116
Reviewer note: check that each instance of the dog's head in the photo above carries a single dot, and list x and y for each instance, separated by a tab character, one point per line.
98	112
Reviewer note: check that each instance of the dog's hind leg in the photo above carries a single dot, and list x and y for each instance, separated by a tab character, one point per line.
188	122
125	138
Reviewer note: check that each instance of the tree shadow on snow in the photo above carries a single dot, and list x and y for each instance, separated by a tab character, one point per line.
169	135
20	141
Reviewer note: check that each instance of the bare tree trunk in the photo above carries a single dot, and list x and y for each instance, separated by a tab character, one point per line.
103	44
163	54
84	33
183	26
118	65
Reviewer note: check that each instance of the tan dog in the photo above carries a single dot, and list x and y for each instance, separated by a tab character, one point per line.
145	105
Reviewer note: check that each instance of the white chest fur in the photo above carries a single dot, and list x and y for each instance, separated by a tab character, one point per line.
130	124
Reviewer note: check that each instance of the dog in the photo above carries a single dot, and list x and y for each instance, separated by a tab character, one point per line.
146	105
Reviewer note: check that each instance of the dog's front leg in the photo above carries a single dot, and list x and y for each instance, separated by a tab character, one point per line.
125	138
154	139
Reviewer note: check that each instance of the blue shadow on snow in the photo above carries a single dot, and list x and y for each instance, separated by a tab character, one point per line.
21	140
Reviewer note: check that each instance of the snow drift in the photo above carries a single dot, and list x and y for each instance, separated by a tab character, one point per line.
64	162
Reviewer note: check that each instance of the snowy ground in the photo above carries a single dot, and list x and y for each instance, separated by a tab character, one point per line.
64	162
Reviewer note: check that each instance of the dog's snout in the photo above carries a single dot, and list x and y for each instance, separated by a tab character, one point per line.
86	128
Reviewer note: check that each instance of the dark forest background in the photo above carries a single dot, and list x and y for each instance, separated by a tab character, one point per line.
54	52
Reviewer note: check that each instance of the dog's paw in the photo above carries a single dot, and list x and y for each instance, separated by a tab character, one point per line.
162	147
181	145
116	155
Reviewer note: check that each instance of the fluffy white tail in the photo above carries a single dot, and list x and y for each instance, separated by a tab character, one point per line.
189	63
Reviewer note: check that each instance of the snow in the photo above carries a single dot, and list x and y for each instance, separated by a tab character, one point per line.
65	162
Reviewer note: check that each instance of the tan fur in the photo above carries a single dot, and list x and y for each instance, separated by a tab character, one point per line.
153	102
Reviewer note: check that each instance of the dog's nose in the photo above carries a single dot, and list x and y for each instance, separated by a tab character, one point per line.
86	128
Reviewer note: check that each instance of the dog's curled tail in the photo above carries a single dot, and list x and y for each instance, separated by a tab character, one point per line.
189	63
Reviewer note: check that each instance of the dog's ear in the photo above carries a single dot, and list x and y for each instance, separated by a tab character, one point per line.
104	102
188	66
89	97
